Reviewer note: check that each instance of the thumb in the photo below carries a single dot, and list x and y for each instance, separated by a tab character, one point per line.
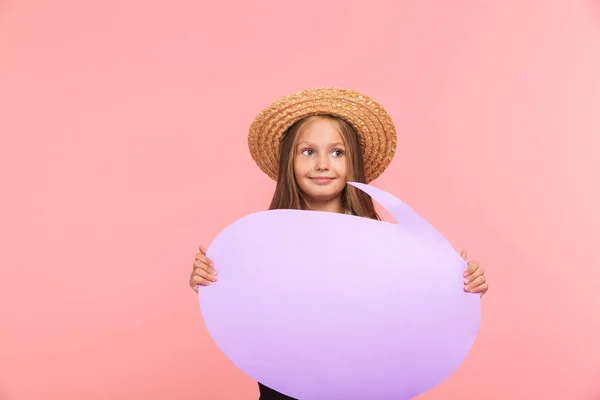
202	250
463	254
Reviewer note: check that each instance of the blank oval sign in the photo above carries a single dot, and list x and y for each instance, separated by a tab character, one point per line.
323	306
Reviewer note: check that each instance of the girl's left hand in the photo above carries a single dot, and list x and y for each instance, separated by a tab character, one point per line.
474	277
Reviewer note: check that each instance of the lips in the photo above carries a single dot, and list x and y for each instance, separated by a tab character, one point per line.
321	180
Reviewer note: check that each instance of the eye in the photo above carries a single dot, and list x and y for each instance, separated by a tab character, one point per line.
308	152
338	153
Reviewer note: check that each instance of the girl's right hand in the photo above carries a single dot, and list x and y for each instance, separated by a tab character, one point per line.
203	271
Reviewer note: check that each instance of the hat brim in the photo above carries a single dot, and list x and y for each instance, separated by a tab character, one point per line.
374	126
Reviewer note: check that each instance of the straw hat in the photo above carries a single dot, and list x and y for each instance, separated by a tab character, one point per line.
374	126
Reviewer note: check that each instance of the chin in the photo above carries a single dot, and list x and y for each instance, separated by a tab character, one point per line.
324	195
322	198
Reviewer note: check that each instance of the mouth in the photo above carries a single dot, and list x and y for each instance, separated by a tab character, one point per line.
321	180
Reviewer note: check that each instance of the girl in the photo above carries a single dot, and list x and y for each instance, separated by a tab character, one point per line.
312	143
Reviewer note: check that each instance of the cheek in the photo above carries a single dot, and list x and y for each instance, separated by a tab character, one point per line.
300	166
342	168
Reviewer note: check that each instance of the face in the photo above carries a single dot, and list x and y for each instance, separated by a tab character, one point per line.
320	164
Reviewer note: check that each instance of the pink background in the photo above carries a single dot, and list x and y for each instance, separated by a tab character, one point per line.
123	148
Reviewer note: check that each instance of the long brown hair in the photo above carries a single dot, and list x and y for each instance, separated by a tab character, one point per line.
287	192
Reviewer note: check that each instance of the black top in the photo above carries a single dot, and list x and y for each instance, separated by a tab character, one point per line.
267	393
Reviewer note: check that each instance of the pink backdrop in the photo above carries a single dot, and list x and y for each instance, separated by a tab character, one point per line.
123	148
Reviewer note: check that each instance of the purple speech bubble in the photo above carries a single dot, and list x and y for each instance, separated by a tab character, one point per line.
323	306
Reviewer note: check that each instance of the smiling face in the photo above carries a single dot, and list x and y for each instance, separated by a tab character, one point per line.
320	165
318	155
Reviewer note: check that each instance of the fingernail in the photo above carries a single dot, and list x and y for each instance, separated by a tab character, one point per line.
465	274
212	264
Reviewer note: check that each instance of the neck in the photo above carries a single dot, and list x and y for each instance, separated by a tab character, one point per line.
334	205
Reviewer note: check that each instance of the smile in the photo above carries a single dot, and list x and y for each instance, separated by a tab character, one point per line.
322	181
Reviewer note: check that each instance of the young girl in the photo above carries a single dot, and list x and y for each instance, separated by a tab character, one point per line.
314	142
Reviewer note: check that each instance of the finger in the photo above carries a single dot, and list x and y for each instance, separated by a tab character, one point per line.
481	289
463	254
205	273
193	285
211	275
474	271
477	282
204	259
472	266
202	249
204	266
198	280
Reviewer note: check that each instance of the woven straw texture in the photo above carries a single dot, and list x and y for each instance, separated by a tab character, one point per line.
374	126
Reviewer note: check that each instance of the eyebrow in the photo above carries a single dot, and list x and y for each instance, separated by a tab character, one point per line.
312	144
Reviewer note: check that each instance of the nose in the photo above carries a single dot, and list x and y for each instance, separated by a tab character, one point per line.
323	163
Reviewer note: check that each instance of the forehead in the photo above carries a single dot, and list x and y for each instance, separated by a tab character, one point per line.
320	131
